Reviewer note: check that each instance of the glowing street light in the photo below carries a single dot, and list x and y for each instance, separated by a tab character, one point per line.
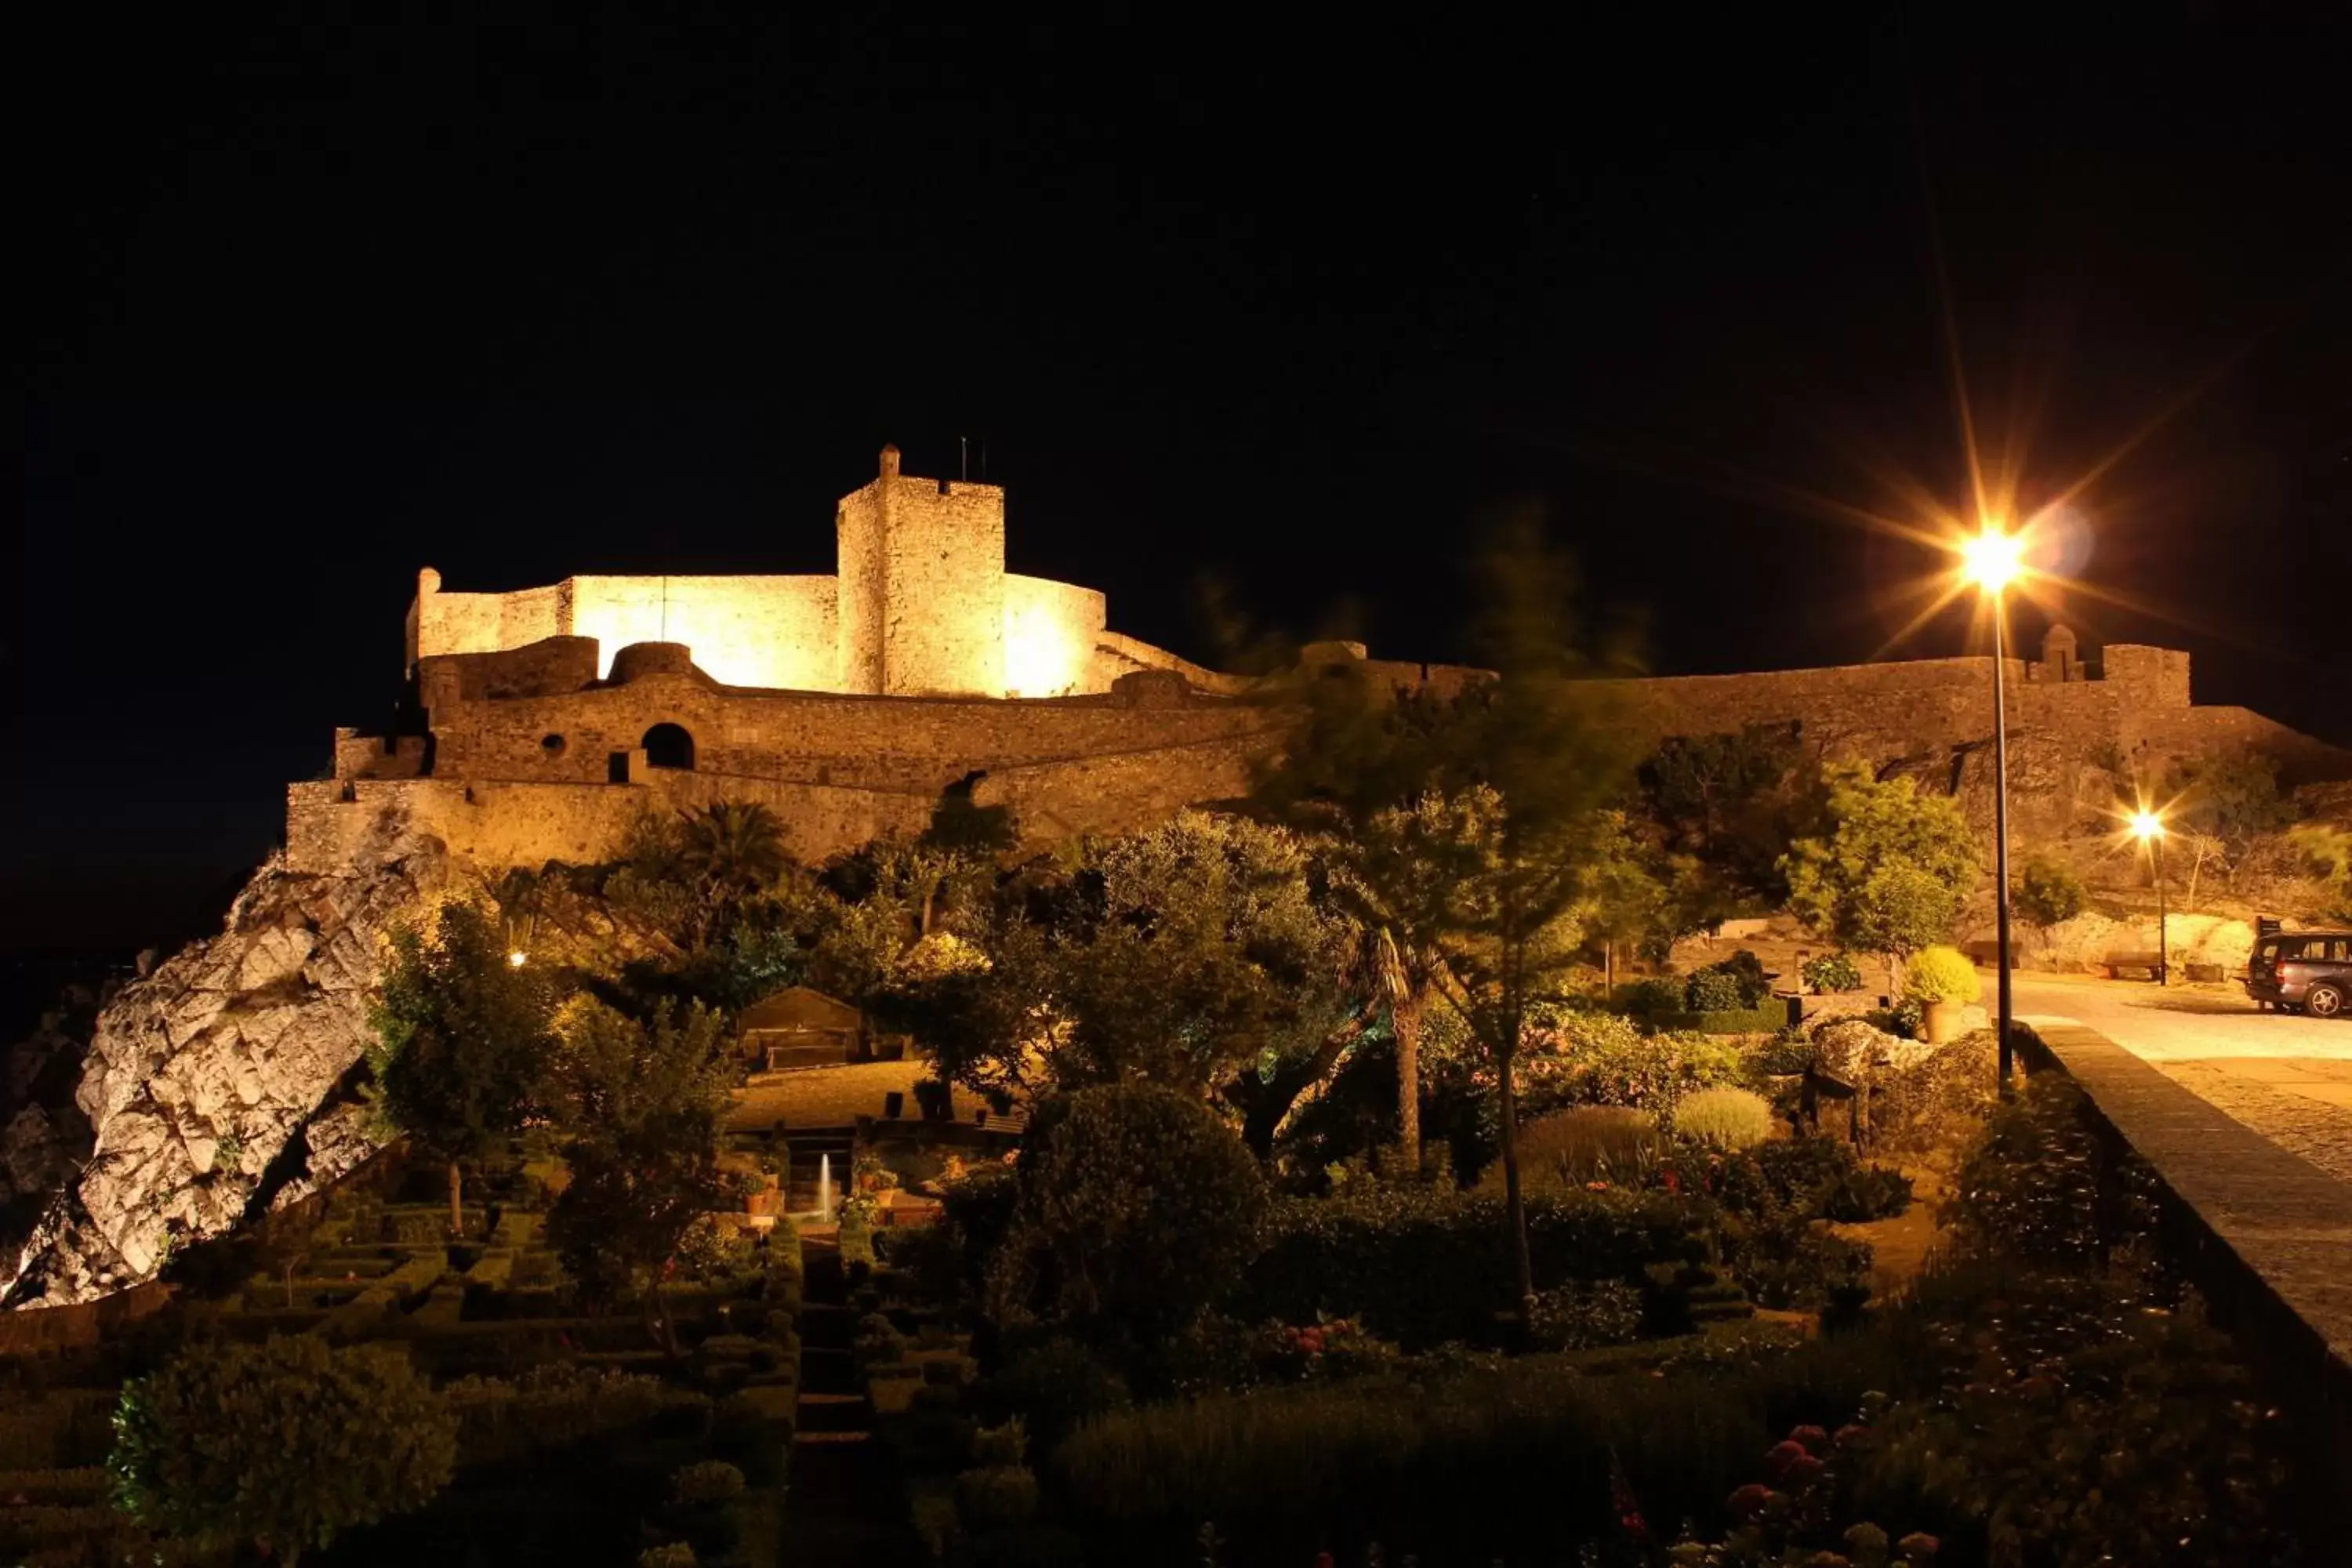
1992	560
517	959
2148	828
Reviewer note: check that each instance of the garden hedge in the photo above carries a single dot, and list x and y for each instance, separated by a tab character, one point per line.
1769	1018
1424	1267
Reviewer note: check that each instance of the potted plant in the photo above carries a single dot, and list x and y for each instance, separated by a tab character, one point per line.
1943	982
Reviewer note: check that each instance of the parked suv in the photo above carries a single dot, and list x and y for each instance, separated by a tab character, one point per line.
2310	969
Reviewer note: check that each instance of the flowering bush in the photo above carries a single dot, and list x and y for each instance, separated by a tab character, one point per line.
1329	1348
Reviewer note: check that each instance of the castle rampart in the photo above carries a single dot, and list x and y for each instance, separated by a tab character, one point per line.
554	716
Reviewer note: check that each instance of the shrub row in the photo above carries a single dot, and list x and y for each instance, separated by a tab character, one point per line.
1423	1267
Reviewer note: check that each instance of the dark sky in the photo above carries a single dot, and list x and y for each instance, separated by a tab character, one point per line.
313	302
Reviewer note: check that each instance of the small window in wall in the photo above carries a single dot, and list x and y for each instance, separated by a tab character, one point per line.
552	745
668	746
616	767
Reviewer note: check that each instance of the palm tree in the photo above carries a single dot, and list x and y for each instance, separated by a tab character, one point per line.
1406	993
733	846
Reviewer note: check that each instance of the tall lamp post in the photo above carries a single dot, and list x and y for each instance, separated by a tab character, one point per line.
2148	828
1992	560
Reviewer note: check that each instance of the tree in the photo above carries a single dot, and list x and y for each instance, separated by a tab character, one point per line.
281	1445
1891	873
1730	803
2047	893
1136	1207
1475	828
1197	956
462	1041
733	846
639	1108
2233	798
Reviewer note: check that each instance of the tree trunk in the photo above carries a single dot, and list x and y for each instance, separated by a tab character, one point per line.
456	1200
1264	1103
1404	1017
1514	1201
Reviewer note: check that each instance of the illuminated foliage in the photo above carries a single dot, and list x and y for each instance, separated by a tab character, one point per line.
280	1445
463	1039
1893	870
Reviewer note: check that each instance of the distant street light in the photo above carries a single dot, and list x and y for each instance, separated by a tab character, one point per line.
1992	560
2148	828
517	958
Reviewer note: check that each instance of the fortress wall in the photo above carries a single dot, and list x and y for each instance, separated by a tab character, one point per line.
452	623
1116	654
2181	733
903	743
1120	792
773	632
546	668
1050	631
489	826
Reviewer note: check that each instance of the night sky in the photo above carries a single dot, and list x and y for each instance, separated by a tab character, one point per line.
313	303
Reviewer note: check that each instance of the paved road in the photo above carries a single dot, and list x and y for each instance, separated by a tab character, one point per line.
2283	1076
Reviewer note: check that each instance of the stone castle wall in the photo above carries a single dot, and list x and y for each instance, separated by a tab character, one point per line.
922	586
921	606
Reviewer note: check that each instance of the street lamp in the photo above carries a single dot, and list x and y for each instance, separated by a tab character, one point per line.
1993	560
2148	828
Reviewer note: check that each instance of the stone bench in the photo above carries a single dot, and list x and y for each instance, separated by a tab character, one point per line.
2132	966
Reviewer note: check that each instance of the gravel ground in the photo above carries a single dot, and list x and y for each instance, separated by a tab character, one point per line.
824	1097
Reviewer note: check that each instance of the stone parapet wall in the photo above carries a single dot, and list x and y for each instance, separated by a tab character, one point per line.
872	742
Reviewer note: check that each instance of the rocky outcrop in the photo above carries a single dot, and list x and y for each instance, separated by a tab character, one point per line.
201	1075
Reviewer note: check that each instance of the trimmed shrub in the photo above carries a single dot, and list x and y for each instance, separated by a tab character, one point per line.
1940	974
1831	971
1137	1206
1729	1119
1658	994
288	1441
1715	991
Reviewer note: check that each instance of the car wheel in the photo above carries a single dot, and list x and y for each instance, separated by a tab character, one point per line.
2324	1000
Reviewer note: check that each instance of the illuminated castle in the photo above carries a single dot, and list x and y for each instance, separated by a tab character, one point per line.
544	722
922	607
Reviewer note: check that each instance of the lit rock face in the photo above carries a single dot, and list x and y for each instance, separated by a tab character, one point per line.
200	1075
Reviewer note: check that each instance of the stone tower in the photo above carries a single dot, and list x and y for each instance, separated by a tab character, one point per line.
921	604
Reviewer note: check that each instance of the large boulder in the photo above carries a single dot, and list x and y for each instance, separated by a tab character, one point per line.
200	1075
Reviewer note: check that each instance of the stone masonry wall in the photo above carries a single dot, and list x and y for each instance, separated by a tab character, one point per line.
943	594
922	743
